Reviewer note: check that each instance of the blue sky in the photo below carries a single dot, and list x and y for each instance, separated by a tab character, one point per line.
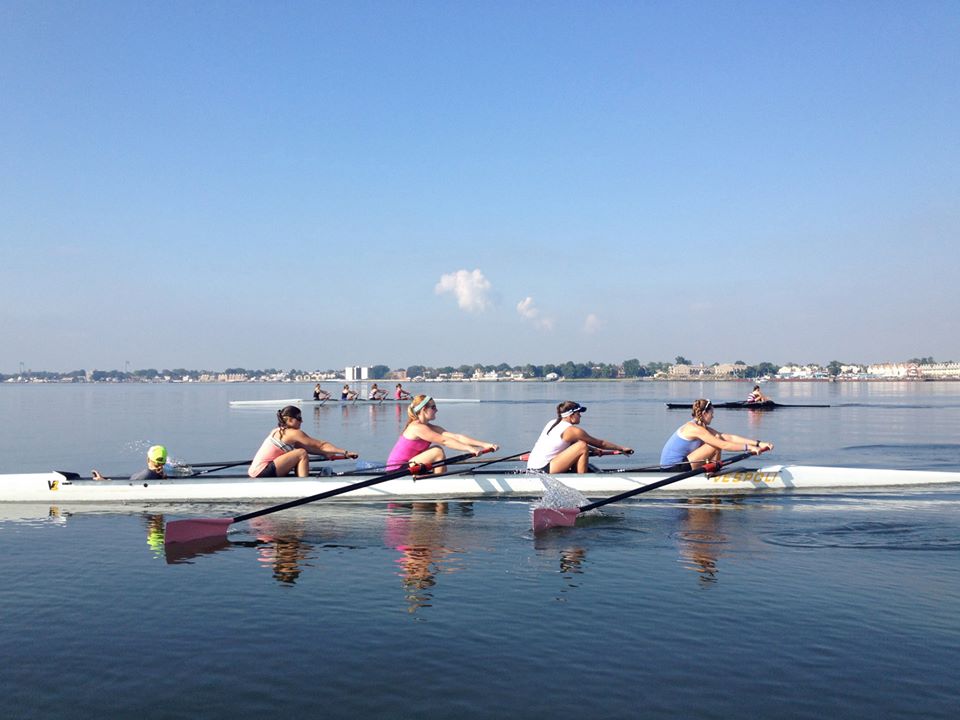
310	185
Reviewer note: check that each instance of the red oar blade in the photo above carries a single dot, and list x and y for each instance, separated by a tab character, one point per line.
185	531
546	518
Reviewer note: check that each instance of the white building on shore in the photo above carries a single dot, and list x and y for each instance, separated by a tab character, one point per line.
940	371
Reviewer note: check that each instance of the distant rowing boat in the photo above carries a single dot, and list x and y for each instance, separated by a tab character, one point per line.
338	401
743	405
63	487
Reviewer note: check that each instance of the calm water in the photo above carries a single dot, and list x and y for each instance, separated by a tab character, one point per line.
781	605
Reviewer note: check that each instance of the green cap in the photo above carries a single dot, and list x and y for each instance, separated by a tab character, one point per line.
157	454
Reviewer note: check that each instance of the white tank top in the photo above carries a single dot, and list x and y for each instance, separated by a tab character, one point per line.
548	445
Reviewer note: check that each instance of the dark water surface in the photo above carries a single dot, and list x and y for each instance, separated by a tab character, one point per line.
792	605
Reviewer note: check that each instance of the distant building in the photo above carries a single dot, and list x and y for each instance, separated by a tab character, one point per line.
801	372
939	371
356	372
687	371
890	370
729	369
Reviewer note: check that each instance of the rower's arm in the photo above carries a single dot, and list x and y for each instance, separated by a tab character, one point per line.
572	434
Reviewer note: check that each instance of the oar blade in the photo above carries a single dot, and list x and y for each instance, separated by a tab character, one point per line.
187	531
546	518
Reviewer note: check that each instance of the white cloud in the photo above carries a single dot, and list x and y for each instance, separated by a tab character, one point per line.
530	313
592	324
470	288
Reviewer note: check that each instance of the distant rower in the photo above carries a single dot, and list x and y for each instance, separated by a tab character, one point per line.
756	396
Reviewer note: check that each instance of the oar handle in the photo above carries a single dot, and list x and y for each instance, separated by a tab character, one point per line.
400	472
324	457
706	468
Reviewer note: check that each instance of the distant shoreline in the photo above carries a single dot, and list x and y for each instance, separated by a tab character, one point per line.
698	379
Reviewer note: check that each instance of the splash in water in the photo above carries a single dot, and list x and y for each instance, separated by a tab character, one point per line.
558	496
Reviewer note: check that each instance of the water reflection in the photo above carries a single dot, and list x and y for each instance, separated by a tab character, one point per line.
282	547
180	553
155	524
571	558
755	419
418	532
700	536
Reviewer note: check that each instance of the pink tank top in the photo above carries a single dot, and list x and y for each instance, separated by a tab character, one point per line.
404	450
269	451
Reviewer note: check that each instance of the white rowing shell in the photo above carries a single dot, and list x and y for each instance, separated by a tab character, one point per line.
55	487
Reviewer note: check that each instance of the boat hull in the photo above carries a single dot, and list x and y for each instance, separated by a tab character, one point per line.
56	487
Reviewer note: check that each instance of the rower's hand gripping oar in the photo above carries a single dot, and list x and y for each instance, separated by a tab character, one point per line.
546	518
182	531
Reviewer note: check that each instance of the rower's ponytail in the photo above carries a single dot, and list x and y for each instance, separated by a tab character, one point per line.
411	412
561	409
290	411
700	407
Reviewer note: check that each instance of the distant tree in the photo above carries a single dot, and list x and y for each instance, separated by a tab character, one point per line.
503	367
631	367
656	367
681	360
415	370
606	370
378	372
766	368
833	367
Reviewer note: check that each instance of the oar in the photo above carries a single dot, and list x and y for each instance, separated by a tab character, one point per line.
545	518
215	467
365	468
469	470
594	452
181	531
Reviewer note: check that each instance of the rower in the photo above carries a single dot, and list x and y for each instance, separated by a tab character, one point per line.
400	393
422	440
563	446
756	396
695	442
347	393
376	394
319	393
287	448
